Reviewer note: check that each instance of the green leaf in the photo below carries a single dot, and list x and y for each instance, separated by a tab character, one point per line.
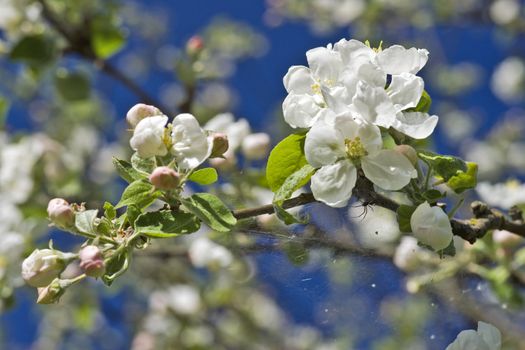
286	217
72	86
4	108
443	166
293	183
285	159
404	212
104	226
296	252
146	165
424	103
109	211
106	38
211	210
463	181
85	221
126	171
205	176
165	224
388	141
132	213
116	267
34	50
290	185
433	195
140	193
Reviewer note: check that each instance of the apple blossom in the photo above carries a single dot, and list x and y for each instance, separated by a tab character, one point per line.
487	337
339	149
236	131
431	226
139	112
256	146
190	144
51	293
60	212
164	178
44	265
407	151
92	261
149	137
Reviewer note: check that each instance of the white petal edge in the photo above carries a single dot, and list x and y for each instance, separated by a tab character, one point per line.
417	125
333	184
388	169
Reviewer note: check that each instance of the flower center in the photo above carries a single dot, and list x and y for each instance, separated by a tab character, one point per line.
355	148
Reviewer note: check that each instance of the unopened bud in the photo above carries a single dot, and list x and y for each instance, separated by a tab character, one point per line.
220	144
44	265
61	213
194	45
407	151
164	178
92	261
51	293
139	112
256	146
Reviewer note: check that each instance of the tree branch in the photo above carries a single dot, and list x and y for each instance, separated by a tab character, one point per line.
484	220
80	44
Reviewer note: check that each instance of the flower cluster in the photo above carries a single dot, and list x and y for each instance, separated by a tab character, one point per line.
349	96
189	144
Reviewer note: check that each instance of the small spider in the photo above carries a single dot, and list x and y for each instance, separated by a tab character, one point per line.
365	205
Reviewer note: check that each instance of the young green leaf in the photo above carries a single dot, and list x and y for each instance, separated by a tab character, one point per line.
165	224
146	165
106	38
404	212
126	170
205	176
423	104
463	181
211	210
140	193
36	50
72	86
109	211
85	221
285	159
444	166
293	182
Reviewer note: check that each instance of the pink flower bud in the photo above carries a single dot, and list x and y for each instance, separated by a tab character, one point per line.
61	213
92	261
139	112
194	45
407	151
164	178
256	146
220	144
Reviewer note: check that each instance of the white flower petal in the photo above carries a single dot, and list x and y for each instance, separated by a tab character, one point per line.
323	145
354	53
396	59
405	90
298	79
148	137
431	226
325	64
388	169
373	105
367	72
490	334
300	111
191	145
333	184
415	124
468	340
